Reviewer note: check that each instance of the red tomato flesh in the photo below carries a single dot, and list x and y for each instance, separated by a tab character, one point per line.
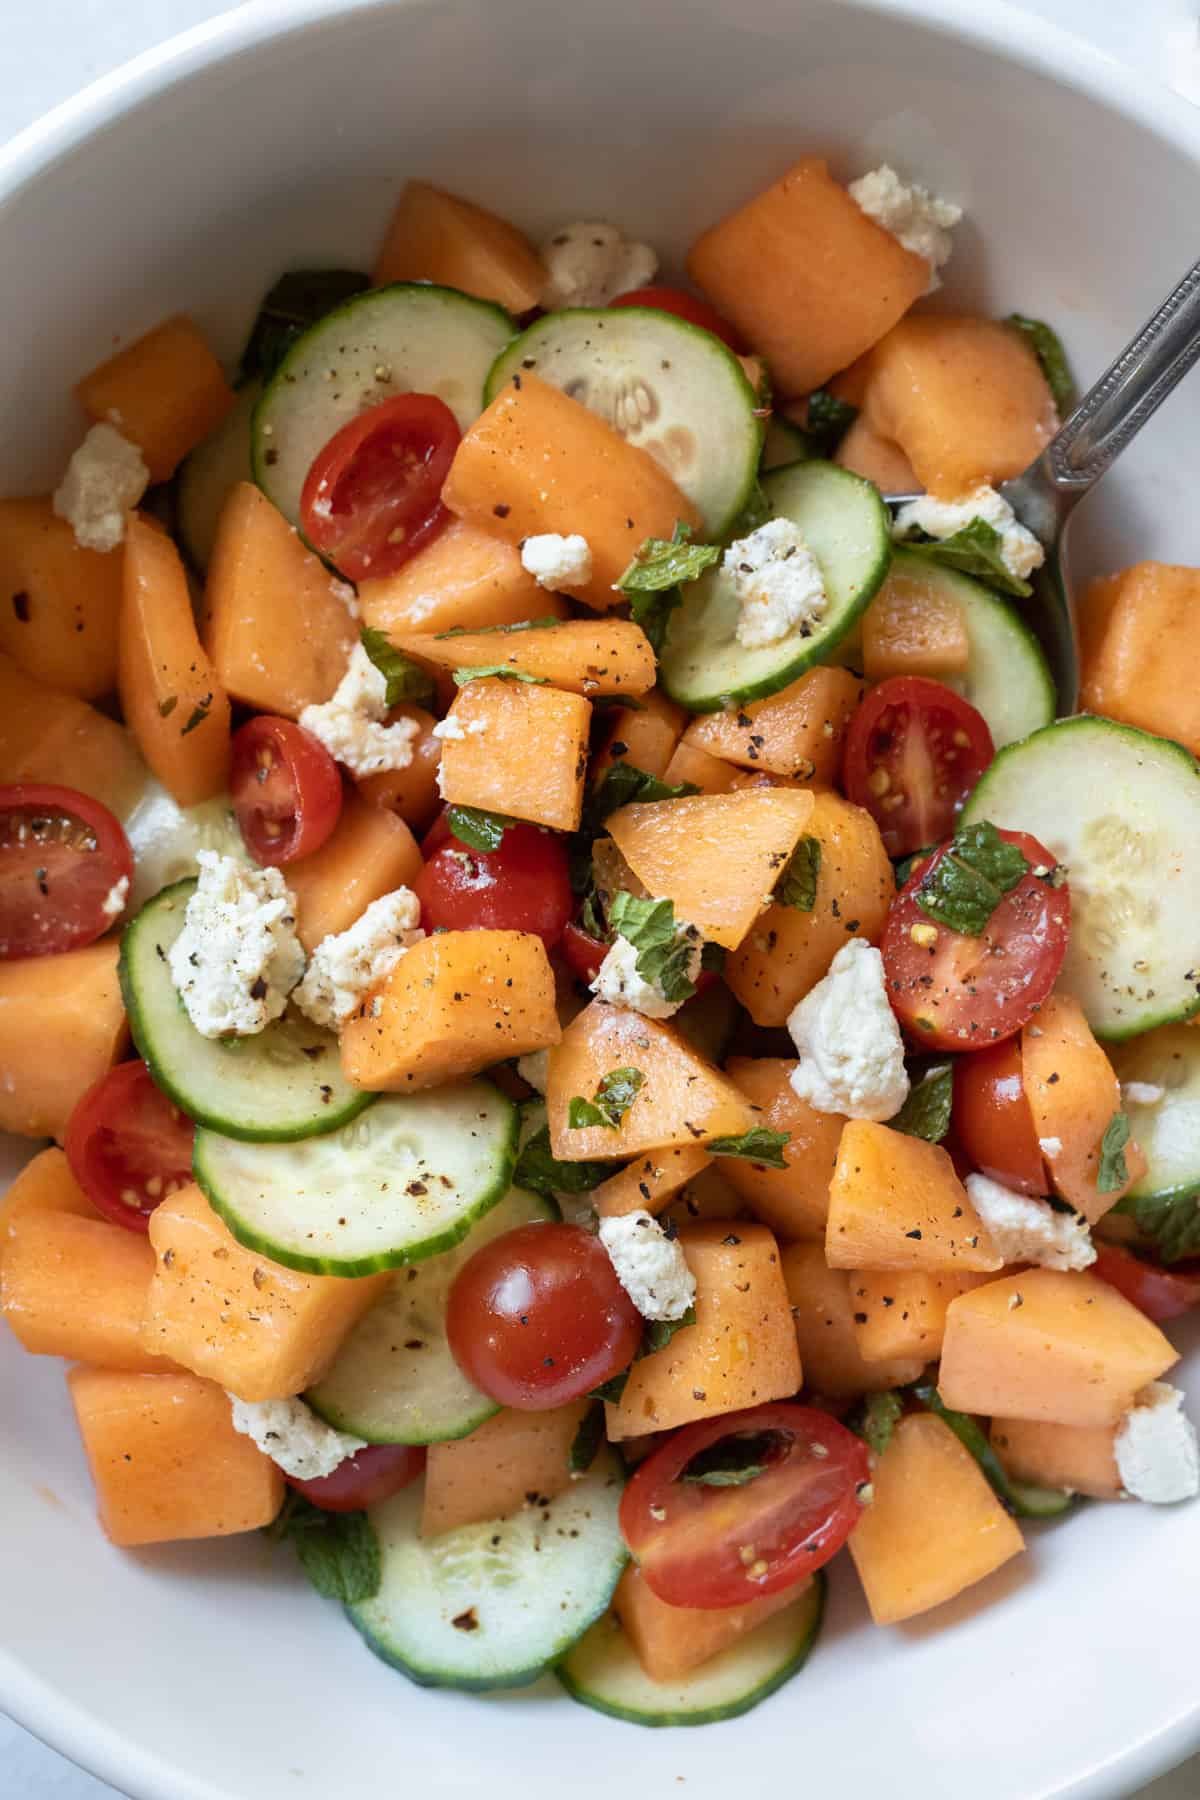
537	1317
1159	1293
914	751
582	952
287	793
128	1145
698	1545
373	494
684	306
61	855
993	1121
368	1476
522	886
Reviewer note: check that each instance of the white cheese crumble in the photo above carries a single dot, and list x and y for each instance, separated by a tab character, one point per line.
456	732
588	263
1157	1454
556	561
845	1033
105	479
1050	1146
1019	549
649	1265
292	1435
345	966
778	584
919	220
113	904
618	981
533	1069
1030	1231
1142	1093
238	957
350	723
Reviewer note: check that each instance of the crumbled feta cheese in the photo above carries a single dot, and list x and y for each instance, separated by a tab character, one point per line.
114	901
350	724
589	263
915	218
1030	1231
105	479
1050	1146
1157	1454
778	584
650	1266
292	1435
556	561
618	981
458	733
533	1069
1019	549
1142	1093
851	1053
237	958
346	965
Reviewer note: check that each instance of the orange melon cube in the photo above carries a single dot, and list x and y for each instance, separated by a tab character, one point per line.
708	1195
411	793
823	1316
62	1026
511	1461
913	627
1133	625
44	1185
46	735
59	604
523	752
671	1641
902	1312
646	737
794	1201
1073	1094
166	393
648	1183
711	774
370	853
1079	1457
604	656
799	732
165	1460
876	459
896	1203
436	236
77	1287
464	579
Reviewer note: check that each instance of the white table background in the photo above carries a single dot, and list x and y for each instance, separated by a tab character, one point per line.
55	47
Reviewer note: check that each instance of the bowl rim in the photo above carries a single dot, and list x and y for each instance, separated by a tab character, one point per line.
993	26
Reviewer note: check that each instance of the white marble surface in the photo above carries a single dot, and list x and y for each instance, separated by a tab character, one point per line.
55	47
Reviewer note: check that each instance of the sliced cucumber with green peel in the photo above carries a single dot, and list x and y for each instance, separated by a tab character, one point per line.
405	1181
412	337
603	1671
667	386
1166	1130
207	477
394	1380
845	522
494	1604
285	1082
165	837
1121	810
783	443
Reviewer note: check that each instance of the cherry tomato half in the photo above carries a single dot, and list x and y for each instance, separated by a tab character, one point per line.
698	1545
582	952
522	886
368	1476
684	306
287	793
965	993
993	1121
373	494
61	855
128	1145
914	751
1159	1293
537	1317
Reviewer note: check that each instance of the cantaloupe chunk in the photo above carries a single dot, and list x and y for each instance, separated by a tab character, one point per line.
538	461
671	1641
1079	1457
876	459
370	853
46	735
462	579
918	376
44	1185
526	757
436	236
740	1352
512	1461
262	1331
934	1525
59	604
646	737
1073	1094
77	1287
455	1003
166	393
276	631
1066	1349
648	1183
165	1460
717	856
682	1099
798	732
823	1315
896	1203
913	627
806	276
902	1312
711	774
794	1201
62	1026
605	656
787	952
708	1195
173	702
411	793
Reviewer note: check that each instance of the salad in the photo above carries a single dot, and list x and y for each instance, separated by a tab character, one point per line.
600	1041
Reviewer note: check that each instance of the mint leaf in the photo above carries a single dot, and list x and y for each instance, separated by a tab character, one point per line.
653	613
926	1112
966	884
587	1440
735	1460
755	512
1046	345
622	784
497	672
1171	1221
881	1413
481	830
659	1332
539	1170
663	563
1114	1171
1017	1497
975	550
297	300
797	886
758	1145
339	1552
982	848
828	421
497	630
613	1099
665	953
405	681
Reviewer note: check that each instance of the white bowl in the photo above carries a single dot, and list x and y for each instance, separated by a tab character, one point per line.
279	135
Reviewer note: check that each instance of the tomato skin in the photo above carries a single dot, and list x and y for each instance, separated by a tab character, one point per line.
693	1543
537	1317
125	1136
688	307
372	497
914	751
522	886
1160	1293
287	793
61	852
582	952
365	1478
965	993
993	1120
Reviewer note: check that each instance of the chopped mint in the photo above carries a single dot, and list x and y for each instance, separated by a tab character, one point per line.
926	1112
758	1145
1114	1171
975	550
964	886
1046	345
405	681
613	1099
481	830
797	886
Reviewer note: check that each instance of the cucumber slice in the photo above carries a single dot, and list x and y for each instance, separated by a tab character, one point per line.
284	1083
666	386
1007	677
703	666
165	837
392	340
1121	810
1168	1132
783	443
207	476
491	1605
404	1182
603	1670
394	1380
